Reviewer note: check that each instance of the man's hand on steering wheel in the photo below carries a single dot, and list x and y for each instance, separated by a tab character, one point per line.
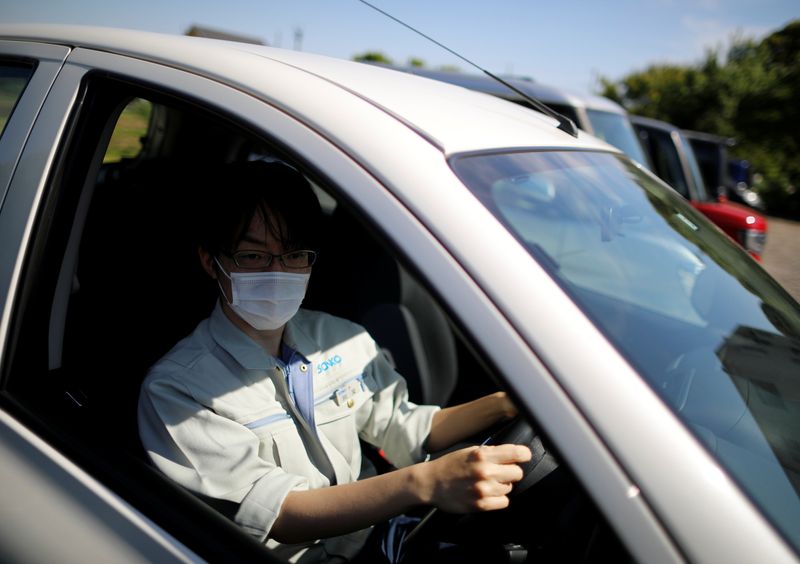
476	478
479	479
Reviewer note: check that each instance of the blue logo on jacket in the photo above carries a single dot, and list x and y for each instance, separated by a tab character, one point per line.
329	363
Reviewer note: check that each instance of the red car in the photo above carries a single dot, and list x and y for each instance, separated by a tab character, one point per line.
673	160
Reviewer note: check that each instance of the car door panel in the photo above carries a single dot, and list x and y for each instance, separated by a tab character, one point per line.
94	525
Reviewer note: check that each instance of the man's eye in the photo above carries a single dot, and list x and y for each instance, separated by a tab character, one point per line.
251	257
298	255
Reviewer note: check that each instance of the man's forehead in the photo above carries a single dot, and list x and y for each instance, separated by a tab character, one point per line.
259	233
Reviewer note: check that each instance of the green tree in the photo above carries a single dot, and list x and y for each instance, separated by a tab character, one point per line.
764	87
751	96
373	57
673	93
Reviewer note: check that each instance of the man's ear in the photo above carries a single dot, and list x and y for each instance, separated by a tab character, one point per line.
207	262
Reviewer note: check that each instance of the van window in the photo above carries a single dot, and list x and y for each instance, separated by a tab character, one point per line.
617	130
665	158
694	170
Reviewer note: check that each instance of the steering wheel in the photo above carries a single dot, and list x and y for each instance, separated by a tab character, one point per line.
541	465
542	462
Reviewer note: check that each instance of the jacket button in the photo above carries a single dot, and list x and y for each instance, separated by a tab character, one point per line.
303	368
350	402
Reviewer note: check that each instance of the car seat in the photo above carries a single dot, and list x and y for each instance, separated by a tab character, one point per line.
357	278
139	289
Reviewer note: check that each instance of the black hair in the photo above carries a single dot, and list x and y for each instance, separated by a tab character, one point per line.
232	194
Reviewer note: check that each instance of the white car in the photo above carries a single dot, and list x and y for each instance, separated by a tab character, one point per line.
657	361
600	116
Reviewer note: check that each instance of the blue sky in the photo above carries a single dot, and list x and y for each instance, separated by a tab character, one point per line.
568	43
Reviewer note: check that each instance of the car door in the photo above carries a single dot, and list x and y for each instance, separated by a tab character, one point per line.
72	352
43	490
74	281
77	490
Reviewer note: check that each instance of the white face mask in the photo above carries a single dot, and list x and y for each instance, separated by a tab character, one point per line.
266	300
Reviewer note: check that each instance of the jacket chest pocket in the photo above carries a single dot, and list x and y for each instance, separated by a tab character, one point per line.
281	444
336	418
267	429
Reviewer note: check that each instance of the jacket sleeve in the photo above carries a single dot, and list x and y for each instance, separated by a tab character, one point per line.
212	455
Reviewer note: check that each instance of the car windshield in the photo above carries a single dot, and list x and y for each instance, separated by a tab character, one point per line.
617	130
710	332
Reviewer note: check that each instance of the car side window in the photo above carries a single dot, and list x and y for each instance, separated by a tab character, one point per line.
13	79
132	286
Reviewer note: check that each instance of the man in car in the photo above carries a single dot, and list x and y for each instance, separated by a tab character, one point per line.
263	405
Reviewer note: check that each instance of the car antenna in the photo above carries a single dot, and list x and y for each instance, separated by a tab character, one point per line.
564	123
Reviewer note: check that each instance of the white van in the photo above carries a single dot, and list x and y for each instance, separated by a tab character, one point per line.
596	115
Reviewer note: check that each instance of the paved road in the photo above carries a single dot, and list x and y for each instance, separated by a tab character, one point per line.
782	253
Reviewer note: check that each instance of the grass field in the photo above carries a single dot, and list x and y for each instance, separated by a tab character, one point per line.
126	141
10	89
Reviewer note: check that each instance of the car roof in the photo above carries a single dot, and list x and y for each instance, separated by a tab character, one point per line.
709	137
543	92
452	118
654	123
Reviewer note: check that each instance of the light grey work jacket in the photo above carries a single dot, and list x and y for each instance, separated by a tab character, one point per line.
215	415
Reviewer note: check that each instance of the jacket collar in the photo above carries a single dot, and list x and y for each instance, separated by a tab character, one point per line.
246	351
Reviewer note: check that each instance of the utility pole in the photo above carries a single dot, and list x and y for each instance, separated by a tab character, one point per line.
298	39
